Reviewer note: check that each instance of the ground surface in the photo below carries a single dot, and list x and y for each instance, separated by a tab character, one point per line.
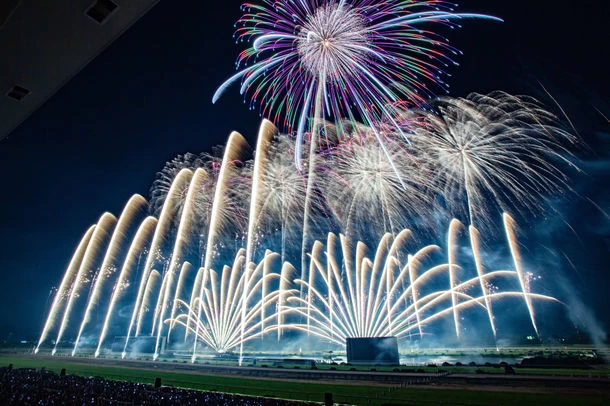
351	387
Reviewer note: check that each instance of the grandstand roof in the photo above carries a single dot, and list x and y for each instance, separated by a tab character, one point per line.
44	43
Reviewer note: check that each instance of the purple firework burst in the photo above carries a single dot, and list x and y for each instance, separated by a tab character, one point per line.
340	59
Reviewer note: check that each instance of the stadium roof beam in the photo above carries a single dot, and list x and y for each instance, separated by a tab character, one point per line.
45	43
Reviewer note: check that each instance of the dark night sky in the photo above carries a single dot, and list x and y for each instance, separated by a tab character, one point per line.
147	98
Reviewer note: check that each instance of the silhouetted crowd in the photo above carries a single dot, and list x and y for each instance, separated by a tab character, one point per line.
30	387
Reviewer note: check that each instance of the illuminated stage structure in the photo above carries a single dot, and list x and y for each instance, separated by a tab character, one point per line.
372	351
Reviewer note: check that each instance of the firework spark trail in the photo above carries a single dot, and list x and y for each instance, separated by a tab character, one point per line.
429	301
266	133
559	106
362	296
358	285
436	297
104	227
185	229
602	114
333	271
184	271
352	305
265	286
374	296
352	52
203	205
315	252
64	287
194	295
391	261
359	297
330	266
283	293
223	202
153	279
119	239
162	229
310	179
200	328
383	325
397	288
452	248
235	145
282	190
598	207
412	279
142	238
160	299
493	151
509	227
224	316
476	252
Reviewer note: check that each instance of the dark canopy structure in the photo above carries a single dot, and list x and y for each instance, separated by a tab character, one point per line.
44	43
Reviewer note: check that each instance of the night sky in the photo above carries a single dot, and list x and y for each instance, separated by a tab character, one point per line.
147	98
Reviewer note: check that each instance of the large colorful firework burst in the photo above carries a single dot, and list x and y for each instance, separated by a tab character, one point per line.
329	59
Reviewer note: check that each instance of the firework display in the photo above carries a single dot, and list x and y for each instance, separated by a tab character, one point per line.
341	240
400	289
316	61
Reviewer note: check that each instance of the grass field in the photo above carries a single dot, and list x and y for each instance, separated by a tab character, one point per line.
357	394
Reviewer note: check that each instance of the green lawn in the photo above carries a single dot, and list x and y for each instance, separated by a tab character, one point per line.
358	394
465	369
